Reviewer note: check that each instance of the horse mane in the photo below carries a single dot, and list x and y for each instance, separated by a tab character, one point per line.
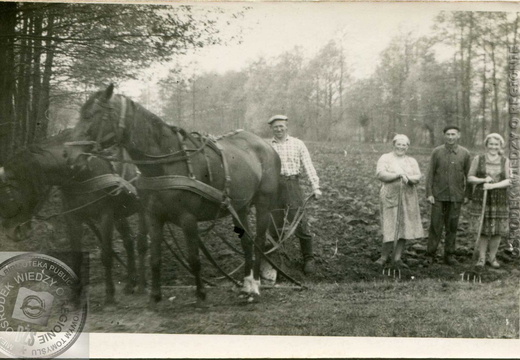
152	131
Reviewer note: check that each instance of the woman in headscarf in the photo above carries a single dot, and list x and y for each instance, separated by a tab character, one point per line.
400	216
490	172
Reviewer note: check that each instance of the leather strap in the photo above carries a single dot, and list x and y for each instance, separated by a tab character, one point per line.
178	182
99	183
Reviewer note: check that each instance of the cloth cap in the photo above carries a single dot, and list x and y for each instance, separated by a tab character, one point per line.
449	127
277	117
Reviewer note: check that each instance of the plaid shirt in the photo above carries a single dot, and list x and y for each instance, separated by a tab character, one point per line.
294	155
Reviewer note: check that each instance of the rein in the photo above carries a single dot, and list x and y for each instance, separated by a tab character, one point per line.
45	218
189	183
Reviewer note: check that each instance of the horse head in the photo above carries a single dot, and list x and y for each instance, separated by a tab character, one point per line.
102	118
25	181
78	157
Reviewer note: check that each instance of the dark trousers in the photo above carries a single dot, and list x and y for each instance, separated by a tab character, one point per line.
445	214
290	200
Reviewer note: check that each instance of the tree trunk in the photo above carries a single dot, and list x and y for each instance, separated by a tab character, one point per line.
7	79
36	79
495	124
468	82
484	93
43	105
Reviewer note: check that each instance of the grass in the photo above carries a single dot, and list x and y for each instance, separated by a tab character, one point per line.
422	308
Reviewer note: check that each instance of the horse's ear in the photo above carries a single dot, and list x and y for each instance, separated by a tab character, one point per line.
109	92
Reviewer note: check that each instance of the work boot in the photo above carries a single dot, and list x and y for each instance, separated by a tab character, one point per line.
307	254
494	264
450	260
308	267
381	261
430	259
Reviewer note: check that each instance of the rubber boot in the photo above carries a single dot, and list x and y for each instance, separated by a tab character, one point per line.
494	243
386	250
308	256
481	247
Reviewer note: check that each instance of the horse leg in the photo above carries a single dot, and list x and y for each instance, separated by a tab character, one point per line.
250	286
75	234
155	229
191	235
123	228
263	217
107	230
142	247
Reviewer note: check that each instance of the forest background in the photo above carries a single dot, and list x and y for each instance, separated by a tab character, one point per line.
54	55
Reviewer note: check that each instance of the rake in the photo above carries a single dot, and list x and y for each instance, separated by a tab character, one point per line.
393	271
480	225
471	276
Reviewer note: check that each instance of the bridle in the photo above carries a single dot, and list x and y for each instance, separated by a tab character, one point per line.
117	129
117	132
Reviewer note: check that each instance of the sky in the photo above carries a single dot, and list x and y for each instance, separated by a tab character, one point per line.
273	28
269	29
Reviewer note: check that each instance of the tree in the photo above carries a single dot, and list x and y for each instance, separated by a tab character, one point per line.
54	48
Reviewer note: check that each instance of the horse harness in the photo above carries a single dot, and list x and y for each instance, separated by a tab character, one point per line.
190	182
169	182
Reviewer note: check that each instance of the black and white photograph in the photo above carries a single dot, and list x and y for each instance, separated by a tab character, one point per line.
259	179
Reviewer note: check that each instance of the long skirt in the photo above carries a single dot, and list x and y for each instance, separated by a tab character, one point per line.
496	215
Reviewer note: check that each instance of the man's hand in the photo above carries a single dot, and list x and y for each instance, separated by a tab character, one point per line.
488	180
466	200
431	199
317	194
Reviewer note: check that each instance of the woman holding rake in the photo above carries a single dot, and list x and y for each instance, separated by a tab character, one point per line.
489	174
400	216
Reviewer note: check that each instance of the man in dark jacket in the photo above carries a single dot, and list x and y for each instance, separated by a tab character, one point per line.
447	190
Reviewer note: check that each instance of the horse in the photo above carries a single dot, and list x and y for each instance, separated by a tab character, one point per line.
188	178
96	194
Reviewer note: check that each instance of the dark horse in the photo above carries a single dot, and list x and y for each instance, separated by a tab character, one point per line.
95	196
186	179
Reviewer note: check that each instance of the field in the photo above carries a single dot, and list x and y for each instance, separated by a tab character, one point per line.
348	296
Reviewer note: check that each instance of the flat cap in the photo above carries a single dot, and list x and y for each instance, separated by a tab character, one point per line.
277	117
449	127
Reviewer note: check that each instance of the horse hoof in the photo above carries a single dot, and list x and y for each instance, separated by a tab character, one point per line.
155	298
249	297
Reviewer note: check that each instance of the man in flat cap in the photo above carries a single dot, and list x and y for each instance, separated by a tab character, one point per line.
447	189
295	156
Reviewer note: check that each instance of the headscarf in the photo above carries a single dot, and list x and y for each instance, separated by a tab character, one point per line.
401	137
496	137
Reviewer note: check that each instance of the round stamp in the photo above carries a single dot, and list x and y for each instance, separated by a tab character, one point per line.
43	306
